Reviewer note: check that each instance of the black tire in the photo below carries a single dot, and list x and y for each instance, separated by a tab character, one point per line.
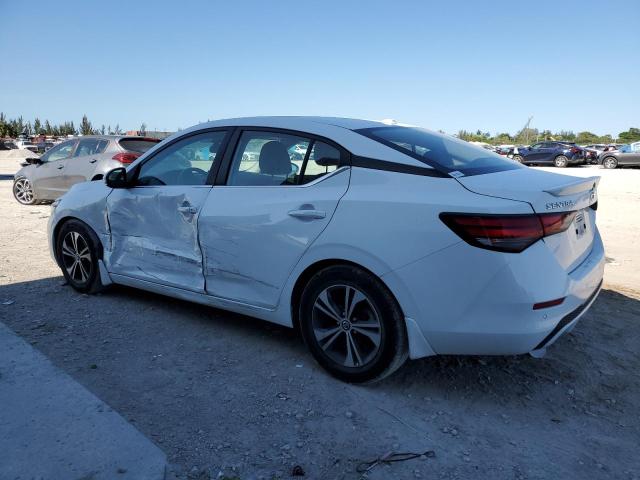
77	244
518	158
23	191
610	162
378	305
561	161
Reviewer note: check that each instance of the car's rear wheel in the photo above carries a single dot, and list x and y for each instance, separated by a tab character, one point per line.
561	161
77	251
610	162
23	191
352	324
518	158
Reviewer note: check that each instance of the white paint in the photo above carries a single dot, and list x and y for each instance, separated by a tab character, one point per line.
243	251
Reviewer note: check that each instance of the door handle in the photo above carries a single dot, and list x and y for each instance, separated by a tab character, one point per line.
188	209
60	167
93	160
310	214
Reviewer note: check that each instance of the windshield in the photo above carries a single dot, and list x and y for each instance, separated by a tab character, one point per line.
444	153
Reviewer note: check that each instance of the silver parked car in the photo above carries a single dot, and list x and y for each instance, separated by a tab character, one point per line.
76	160
626	155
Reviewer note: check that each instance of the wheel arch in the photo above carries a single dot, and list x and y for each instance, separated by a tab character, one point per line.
417	343
303	279
56	231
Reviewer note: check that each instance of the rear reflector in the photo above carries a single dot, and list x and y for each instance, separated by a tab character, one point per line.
506	233
550	303
126	157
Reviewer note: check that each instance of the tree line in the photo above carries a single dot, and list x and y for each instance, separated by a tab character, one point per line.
529	135
17	126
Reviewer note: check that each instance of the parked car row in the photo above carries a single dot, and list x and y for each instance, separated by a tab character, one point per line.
563	154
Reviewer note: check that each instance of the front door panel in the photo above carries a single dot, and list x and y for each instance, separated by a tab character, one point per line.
49	179
154	234
252	236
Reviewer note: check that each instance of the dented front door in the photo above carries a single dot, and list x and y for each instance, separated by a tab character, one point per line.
154	234
154	223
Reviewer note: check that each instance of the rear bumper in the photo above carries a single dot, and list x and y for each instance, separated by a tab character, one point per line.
469	301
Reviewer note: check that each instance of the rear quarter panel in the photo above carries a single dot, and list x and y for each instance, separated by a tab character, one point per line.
388	220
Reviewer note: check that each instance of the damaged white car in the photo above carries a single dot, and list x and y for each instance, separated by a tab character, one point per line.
380	242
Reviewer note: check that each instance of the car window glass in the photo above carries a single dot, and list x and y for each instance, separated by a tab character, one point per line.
268	159
186	162
59	152
323	159
536	146
89	146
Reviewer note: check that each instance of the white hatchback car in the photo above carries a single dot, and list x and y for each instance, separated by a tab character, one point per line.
384	242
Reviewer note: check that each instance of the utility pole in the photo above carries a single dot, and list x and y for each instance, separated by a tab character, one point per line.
525	130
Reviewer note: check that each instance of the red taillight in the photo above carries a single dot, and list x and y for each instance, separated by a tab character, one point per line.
126	157
553	223
575	150
506	233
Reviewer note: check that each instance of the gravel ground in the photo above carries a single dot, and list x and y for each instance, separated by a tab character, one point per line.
228	396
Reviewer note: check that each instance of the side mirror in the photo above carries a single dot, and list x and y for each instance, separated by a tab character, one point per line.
116	178
33	161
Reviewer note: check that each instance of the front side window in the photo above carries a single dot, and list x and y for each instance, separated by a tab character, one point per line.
186	162
442	152
58	152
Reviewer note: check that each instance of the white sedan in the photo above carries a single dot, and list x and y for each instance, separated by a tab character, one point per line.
384	242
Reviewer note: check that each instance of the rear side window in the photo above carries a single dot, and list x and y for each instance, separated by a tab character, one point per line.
444	153
323	159
280	159
139	145
90	146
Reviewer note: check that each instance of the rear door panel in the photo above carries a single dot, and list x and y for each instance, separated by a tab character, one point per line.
251	239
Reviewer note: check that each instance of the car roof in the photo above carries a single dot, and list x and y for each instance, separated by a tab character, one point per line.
337	129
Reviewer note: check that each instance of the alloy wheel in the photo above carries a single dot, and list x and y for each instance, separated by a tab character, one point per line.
23	191
76	257
346	326
561	161
610	162
518	158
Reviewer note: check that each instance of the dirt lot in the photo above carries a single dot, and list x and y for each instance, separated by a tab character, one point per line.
220	392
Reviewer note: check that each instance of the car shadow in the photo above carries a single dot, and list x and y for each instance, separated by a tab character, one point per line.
191	375
567	359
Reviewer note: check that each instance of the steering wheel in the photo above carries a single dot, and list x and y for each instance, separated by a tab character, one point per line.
193	172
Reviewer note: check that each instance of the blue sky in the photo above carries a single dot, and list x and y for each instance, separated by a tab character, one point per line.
442	65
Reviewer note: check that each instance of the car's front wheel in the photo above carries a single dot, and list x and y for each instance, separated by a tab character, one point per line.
561	161
610	162
352	324
518	158
77	251
23	191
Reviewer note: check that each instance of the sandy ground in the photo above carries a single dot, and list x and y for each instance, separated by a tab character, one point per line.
220	392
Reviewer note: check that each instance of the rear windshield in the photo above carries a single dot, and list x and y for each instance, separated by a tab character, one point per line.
444	153
139	145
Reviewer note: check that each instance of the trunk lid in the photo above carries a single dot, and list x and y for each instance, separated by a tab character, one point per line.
548	192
